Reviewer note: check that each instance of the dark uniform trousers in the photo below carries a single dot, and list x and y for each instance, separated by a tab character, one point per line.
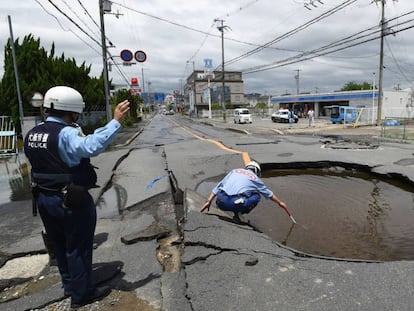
239	203
71	231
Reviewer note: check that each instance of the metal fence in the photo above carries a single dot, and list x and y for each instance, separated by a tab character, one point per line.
398	128
8	137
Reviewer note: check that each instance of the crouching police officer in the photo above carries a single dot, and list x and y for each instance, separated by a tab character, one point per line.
240	191
62	174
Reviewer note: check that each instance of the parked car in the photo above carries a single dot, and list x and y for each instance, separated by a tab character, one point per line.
283	116
169	113
242	115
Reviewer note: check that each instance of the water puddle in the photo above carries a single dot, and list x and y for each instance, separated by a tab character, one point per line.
340	213
14	180
111	202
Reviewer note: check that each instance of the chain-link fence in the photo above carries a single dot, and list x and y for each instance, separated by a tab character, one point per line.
398	128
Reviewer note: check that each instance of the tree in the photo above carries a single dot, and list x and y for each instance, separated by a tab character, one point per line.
353	86
38	71
261	105
135	101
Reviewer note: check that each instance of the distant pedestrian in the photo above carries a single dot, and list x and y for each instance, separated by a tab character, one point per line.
311	116
291	118
240	191
59	154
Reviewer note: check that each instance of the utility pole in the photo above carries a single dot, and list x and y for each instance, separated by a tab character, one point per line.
381	62
194	83
373	96
105	62
297	81
143	81
221	28
383	24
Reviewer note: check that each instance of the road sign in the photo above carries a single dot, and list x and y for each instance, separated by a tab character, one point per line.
140	56
126	55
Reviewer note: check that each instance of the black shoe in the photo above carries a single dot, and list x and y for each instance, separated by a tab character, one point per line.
236	217
100	292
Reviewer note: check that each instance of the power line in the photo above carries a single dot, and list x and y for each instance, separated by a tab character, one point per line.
397	64
74	23
70	30
239	9
79	18
89	15
320	51
293	31
292	60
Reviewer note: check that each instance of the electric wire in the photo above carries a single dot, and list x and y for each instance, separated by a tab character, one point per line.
397	64
293	31
66	30
359	35
239	9
303	56
79	18
293	60
91	18
74	23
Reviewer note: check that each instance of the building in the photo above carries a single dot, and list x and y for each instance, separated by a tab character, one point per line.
196	90
395	104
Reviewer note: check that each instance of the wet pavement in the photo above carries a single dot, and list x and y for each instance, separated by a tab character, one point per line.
343	213
160	253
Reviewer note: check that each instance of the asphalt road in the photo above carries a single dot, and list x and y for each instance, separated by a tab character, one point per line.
159	253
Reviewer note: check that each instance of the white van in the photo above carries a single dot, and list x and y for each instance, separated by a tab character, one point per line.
242	115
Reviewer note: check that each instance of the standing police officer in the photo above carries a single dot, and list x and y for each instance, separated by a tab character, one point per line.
61	175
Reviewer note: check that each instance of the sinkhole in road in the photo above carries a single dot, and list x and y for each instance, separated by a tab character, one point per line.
341	213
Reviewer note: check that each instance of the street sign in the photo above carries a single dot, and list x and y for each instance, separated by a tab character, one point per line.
140	56
126	55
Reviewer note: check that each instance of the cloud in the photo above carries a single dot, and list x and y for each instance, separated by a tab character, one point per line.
175	32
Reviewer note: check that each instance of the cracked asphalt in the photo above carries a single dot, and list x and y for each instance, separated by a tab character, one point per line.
160	253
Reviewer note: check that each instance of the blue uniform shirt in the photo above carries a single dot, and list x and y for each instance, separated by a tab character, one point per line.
242	181
74	145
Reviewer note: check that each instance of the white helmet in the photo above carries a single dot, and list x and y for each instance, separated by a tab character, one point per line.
64	98
254	167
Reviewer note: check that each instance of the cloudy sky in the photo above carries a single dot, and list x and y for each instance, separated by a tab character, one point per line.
277	44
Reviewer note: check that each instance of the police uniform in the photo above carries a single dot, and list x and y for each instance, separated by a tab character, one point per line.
59	155
240	190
